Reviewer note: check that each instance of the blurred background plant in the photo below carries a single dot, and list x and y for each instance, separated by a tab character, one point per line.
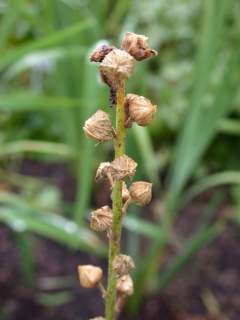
48	88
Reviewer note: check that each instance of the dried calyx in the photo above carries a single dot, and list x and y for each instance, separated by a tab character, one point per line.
137	45
141	192
99	127
122	265
101	219
89	276
125	285
138	109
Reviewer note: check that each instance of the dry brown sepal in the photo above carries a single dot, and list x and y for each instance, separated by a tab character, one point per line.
101	219
122	265
99	127
137	45
100	53
116	65
141	192
139	109
125	285
103	172
89	276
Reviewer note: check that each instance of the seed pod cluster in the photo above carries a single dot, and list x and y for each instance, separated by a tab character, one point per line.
116	66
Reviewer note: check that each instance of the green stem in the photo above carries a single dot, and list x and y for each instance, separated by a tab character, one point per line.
115	237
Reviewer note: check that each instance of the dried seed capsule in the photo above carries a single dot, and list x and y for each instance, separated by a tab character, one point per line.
99	127
89	275
141	192
117	65
137	45
123	264
101	219
100	52
102	171
123	167
125	285
125	192
139	109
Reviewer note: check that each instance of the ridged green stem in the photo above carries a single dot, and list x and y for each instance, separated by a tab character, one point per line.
115	237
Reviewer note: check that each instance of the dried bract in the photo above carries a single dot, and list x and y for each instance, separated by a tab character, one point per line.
100	52
101	219
89	275
99	127
125	285
141	192
137	45
117	65
139	109
122	265
123	167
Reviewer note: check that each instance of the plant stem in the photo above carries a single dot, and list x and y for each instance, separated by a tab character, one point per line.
115	237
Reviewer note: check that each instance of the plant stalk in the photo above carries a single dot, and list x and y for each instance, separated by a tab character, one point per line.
115	236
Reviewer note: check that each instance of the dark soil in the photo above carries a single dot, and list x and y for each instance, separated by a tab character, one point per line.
207	288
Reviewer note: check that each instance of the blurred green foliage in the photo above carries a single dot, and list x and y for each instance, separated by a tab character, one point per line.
48	89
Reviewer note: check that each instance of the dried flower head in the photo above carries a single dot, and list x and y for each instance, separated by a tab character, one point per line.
139	109
100	52
141	192
125	193
123	167
117	65
101	219
137	45
125	285
99	127
122	265
89	275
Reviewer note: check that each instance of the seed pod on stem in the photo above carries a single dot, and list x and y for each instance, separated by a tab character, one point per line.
99	127
137	45
139	109
104	173
125	285
141	192
101	219
123	264
89	276
123	167
117	65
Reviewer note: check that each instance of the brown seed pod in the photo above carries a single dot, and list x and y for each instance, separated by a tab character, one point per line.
137	45
89	275
117	65
100	52
139	109
101	219
102	171
125	285
141	192
123	264
123	167
99	127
